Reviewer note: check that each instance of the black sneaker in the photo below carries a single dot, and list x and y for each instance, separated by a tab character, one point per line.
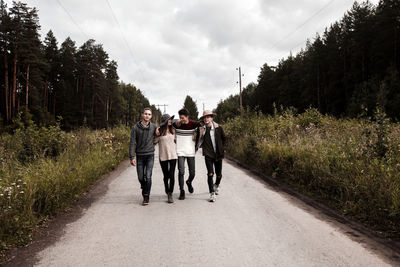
182	195
190	187
170	199
145	200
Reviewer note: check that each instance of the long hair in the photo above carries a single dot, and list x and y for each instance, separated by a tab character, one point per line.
164	128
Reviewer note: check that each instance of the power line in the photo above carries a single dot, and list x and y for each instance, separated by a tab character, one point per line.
72	19
301	25
297	45
162	105
124	38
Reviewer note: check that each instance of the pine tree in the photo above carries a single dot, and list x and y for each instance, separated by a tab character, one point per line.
4	46
69	85
52	78
191	105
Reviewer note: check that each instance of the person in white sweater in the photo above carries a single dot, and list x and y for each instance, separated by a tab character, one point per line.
167	153
185	147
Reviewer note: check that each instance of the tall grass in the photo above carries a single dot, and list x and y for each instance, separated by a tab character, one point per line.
44	169
353	165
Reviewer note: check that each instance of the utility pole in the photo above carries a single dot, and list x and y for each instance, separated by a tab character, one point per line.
203	107
158	107
163	105
240	90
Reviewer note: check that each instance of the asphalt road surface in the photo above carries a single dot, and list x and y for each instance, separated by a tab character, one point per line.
250	224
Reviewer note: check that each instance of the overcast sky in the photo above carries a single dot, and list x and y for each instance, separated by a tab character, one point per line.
170	49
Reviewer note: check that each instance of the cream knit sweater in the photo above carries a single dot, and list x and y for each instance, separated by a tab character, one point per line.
166	147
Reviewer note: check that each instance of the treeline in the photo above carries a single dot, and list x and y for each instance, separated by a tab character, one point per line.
348	70
47	80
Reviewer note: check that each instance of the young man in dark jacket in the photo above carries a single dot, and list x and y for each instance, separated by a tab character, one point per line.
211	138
142	145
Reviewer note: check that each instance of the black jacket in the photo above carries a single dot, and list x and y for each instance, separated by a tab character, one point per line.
220	139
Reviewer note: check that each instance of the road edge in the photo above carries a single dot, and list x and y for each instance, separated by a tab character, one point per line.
52	230
387	248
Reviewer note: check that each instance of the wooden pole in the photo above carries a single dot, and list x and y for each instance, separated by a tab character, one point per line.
240	90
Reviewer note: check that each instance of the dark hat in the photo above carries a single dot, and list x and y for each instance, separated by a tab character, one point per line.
207	113
165	118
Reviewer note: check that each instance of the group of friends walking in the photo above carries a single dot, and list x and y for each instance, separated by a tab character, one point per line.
178	141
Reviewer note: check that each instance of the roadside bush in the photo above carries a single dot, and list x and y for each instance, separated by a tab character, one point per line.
353	165
43	170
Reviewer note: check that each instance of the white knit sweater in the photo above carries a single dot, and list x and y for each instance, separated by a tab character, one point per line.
185	144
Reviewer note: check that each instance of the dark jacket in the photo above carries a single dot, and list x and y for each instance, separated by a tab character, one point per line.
142	140
220	139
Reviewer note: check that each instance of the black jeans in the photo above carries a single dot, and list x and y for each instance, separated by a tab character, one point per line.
144	168
168	169
181	168
210	163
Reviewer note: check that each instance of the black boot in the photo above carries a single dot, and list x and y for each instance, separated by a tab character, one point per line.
182	195
190	187
170	198
145	200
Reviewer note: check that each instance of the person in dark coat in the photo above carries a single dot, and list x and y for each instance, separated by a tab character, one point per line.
211	138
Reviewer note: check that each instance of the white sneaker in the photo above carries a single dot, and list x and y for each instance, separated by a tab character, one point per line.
216	189
213	197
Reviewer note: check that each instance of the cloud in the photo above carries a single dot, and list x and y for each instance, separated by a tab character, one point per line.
177	48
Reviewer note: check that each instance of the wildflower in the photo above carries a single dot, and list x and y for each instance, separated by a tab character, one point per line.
1	195
21	192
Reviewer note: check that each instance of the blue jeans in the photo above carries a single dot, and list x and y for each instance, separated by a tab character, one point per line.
144	168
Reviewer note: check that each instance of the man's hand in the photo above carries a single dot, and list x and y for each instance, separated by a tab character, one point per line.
133	162
178	123
158	131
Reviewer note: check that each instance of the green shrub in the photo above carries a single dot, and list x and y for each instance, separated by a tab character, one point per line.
44	169
353	165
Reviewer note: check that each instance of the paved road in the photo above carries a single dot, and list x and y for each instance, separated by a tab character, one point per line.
249	225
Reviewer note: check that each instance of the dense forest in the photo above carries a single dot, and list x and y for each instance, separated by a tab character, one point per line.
47	81
347	71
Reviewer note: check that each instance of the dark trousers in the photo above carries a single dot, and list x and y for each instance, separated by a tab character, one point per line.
210	164
168	169
181	168
144	168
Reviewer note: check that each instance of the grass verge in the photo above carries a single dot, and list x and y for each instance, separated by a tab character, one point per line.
351	165
43	170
